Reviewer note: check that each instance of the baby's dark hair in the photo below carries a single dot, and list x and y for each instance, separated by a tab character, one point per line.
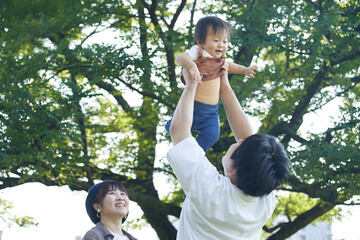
201	28
261	165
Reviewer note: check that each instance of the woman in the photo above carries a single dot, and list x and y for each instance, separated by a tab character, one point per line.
107	205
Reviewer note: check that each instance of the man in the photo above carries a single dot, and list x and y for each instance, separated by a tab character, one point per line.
234	206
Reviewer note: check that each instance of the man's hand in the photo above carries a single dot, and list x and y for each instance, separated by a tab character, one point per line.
195	74
249	71
189	78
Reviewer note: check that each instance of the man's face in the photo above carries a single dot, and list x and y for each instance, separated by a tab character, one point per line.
229	171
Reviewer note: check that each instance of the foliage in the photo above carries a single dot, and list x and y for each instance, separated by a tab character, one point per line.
10	219
295	204
87	86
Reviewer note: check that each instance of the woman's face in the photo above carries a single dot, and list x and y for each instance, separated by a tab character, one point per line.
115	205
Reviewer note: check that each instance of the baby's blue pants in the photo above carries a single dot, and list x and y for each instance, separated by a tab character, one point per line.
206	122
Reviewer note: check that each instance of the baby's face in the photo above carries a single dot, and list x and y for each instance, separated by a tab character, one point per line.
216	43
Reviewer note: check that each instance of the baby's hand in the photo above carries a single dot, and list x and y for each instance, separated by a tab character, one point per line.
188	78
194	72
249	71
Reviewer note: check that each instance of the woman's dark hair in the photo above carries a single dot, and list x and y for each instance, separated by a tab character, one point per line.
202	25
106	187
261	165
97	193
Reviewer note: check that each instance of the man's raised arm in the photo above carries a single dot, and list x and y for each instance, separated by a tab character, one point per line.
183	116
239	122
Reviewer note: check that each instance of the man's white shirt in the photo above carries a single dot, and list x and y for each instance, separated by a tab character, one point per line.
214	208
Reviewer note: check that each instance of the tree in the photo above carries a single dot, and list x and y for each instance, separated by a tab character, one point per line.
10	219
74	111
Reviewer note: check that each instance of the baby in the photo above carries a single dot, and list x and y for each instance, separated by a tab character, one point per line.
206	62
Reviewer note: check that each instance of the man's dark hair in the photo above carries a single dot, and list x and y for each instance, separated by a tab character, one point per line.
261	165
202	25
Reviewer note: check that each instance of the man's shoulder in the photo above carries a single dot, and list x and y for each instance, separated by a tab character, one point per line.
187	143
185	152
186	158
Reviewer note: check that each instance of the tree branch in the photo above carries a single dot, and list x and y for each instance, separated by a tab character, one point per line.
355	80
146	94
315	190
284	128
177	14
353	55
191	26
272	229
299	111
288	229
142	199
167	40
146	200
8	182
80	120
329	137
119	98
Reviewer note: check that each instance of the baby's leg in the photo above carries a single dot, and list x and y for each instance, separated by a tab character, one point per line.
168	124
209	135
206	122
